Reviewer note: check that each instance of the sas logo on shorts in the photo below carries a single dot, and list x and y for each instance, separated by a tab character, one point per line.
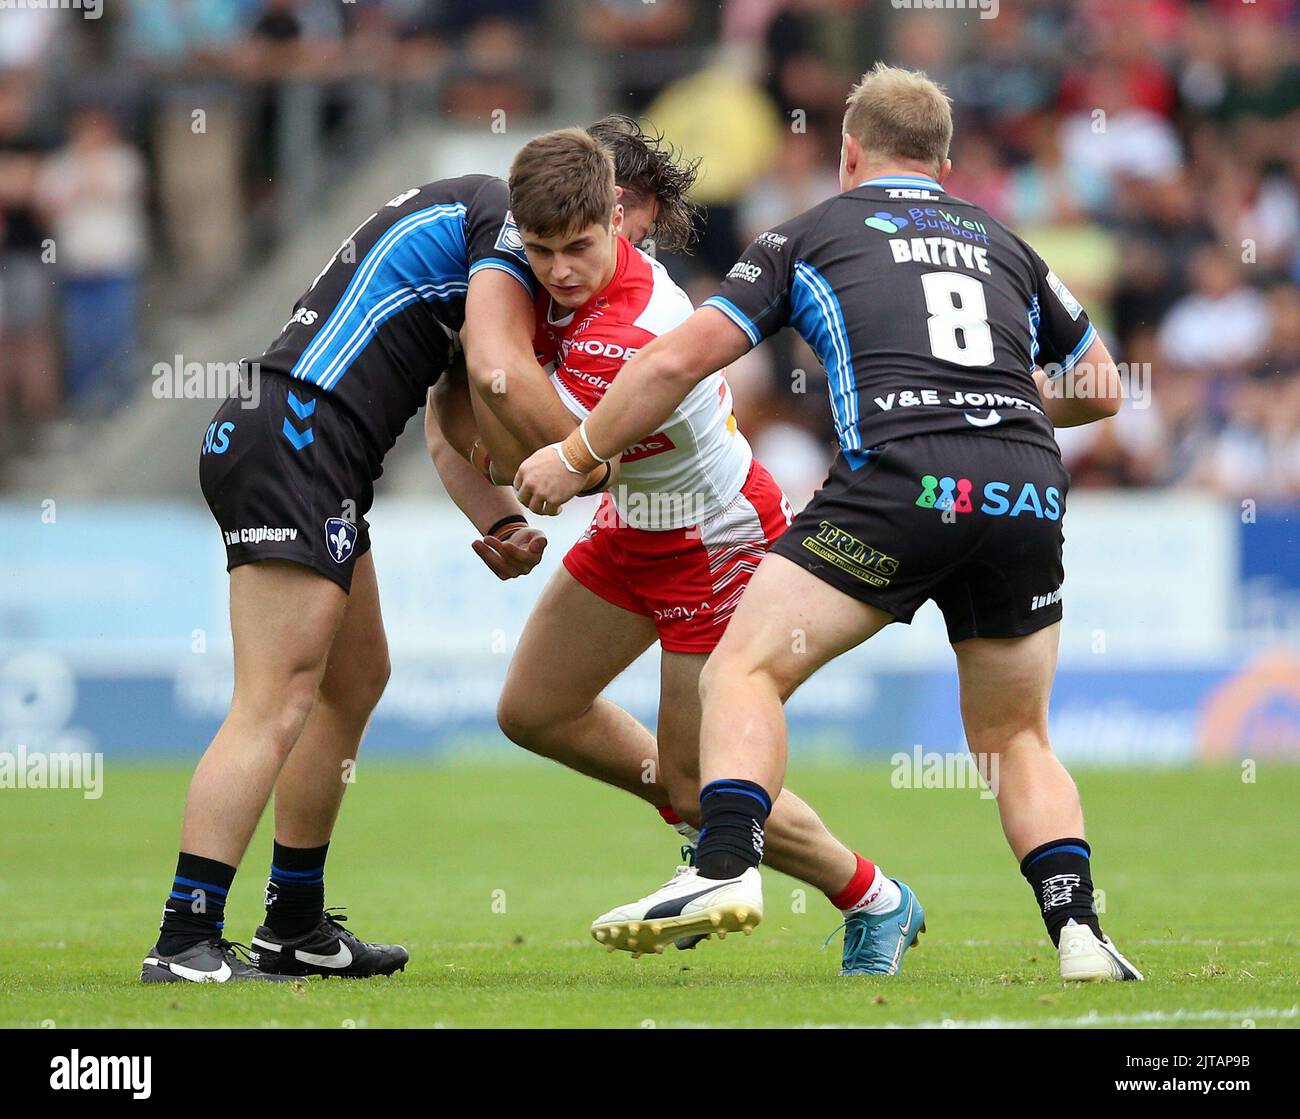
340	538
953	495
217	439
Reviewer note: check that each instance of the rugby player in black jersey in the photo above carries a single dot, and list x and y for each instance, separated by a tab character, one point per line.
288	470
951	353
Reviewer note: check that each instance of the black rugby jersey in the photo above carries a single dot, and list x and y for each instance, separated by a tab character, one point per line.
927	314
377	326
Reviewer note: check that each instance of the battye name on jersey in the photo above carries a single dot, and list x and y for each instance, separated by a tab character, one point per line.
939	250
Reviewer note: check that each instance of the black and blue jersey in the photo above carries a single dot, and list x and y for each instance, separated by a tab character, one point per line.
927	314
377	327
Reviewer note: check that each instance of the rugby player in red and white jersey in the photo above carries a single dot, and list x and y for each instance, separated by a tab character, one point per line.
666	558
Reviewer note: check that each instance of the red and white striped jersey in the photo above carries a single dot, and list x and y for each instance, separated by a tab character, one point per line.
695	466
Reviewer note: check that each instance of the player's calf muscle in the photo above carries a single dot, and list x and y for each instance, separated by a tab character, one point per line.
682	784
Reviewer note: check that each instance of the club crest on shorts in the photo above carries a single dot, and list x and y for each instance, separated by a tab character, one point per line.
340	538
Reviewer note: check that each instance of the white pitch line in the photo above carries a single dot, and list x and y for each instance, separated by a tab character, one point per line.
1162	941
1154	1017
1149	1017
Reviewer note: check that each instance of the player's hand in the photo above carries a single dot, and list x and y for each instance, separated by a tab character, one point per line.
544	482
513	553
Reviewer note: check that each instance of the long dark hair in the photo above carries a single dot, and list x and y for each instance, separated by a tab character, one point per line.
646	167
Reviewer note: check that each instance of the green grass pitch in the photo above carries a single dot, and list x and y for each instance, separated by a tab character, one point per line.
490	874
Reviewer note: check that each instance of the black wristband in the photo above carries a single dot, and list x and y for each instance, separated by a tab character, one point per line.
609	469
513	519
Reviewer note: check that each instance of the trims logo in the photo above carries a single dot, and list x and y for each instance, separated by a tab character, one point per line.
844	550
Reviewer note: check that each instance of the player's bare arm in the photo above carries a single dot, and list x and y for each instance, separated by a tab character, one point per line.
514	407
1069	401
509	546
647	391
509	386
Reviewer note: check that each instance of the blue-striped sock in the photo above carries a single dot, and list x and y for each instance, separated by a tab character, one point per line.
1060	873
732	815
196	907
295	890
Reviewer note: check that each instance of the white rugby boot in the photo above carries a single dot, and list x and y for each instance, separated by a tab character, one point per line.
1087	957
687	906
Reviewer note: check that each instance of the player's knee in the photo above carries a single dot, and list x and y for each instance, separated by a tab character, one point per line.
372	681
355	686
725	667
999	739
709	675
280	716
524	720
363	690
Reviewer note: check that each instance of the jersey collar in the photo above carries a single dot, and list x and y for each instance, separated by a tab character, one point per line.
903	181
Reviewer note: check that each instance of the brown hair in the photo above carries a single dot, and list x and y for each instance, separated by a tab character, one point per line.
900	113
561	182
647	167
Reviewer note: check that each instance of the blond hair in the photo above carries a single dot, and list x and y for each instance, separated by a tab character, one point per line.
562	182
900	113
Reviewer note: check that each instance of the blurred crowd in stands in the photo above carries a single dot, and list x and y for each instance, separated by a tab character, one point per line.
1150	149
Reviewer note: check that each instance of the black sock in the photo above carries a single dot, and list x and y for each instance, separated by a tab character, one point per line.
295	891
1061	877
732	815
196	907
